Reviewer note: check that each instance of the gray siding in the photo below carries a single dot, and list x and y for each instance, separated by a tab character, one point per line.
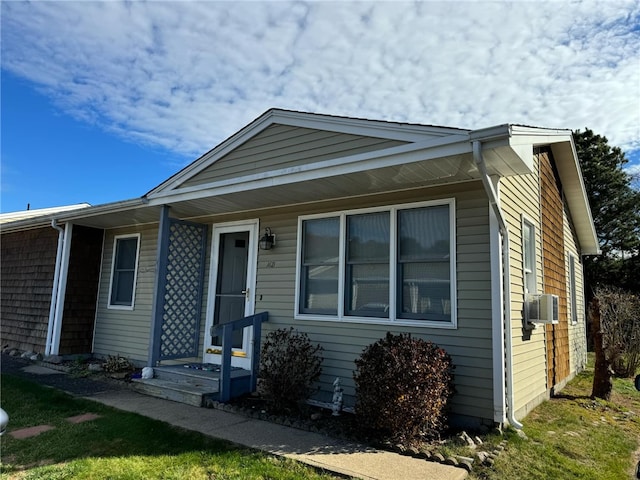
126	332
280	146
520	195
469	344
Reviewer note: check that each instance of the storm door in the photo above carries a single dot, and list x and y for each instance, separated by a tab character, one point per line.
231	289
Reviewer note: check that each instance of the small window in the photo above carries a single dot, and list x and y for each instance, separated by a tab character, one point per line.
529	256
320	260
124	272
572	286
367	265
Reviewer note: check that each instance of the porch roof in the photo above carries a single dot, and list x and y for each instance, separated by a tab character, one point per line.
431	156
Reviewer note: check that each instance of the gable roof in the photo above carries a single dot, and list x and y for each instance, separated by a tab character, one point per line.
339	157
400	132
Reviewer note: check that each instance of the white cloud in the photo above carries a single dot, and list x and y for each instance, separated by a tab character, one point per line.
185	75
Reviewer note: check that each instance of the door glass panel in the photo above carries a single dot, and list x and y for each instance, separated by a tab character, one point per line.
231	282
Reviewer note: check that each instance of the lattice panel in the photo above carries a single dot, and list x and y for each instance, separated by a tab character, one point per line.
182	290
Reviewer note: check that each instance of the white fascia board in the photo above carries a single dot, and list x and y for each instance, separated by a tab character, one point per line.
521	140
63	217
400	155
406	132
40	212
513	144
576	195
214	154
504	154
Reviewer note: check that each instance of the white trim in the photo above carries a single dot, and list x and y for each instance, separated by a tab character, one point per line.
62	289
524	219
251	226
100	279
393	156
353	126
392	320
573	284
54	287
135	273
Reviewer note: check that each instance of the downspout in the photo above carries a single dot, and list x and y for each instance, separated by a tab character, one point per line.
506	281
56	283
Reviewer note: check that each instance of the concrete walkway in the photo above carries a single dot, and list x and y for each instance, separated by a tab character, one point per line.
345	458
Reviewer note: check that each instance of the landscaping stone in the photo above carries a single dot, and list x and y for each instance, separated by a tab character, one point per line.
30	431
482	456
466	439
424	454
85	417
468	466
94	367
451	461
464	459
438	457
55	359
27	355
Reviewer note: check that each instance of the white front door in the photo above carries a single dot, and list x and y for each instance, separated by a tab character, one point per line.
231	288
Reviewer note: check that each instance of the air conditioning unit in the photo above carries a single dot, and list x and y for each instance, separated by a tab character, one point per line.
543	309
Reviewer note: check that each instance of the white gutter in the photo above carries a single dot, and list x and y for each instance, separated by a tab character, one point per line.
56	283
506	282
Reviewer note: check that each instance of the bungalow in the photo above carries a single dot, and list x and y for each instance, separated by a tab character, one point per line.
343	228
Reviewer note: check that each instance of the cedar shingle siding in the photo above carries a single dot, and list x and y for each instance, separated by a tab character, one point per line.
82	291
554	277
27	264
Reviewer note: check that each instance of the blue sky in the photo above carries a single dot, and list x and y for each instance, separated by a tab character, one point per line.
102	101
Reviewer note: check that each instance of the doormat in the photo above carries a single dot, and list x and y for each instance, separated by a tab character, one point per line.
207	367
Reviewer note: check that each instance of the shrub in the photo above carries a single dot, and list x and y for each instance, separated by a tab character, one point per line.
116	363
289	364
620	327
403	385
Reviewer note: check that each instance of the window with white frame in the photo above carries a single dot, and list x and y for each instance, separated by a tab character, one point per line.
572	285
529	256
379	265
124	271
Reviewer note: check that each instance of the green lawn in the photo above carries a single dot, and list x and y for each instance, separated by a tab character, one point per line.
119	445
575	437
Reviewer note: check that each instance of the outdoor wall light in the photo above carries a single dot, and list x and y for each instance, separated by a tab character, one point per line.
268	240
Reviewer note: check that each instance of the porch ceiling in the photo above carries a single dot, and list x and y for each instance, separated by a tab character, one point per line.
281	191
248	197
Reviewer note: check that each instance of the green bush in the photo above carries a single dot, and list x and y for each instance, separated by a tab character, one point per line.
403	385
116	363
289	364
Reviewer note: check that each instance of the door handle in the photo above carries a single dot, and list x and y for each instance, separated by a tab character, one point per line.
246	292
